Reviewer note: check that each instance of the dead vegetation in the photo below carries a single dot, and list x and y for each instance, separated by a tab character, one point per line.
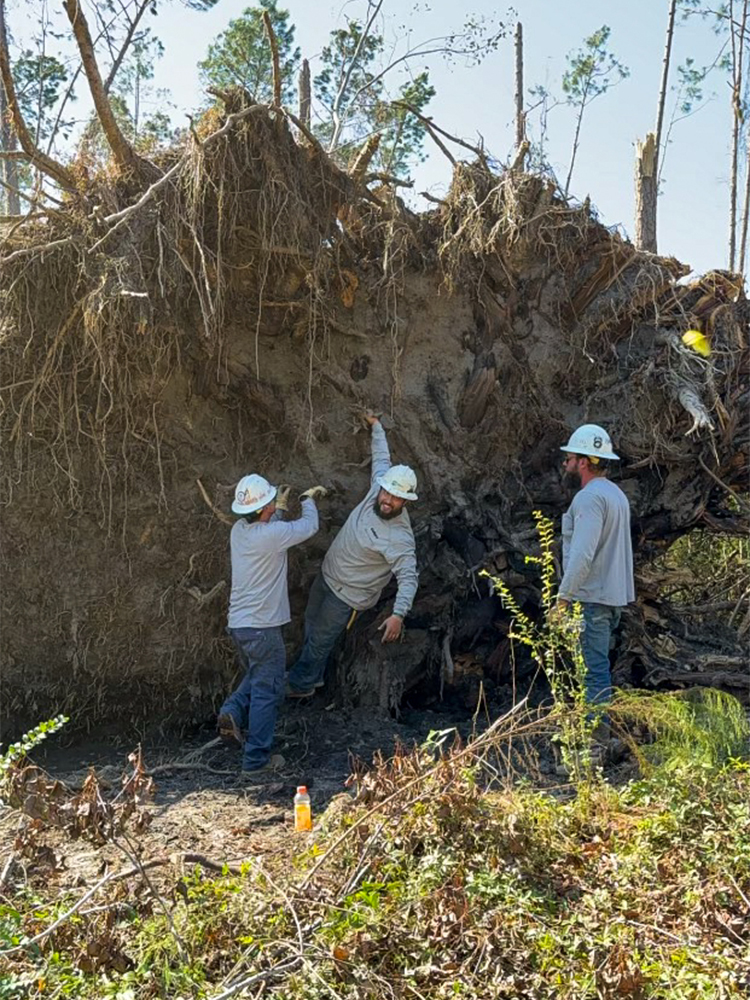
439	875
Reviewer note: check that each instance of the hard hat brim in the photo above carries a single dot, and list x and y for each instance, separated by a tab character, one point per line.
590	453
241	508
402	494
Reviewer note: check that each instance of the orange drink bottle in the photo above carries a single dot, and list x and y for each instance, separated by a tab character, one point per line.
302	810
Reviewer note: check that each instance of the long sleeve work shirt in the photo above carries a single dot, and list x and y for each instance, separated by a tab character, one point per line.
597	550
259	597
368	549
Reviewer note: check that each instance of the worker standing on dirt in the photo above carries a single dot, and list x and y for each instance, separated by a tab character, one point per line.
597	556
258	607
376	542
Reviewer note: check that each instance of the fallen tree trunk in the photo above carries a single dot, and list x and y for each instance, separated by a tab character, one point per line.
238	320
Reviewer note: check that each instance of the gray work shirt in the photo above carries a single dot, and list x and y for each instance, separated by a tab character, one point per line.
597	551
259	597
368	549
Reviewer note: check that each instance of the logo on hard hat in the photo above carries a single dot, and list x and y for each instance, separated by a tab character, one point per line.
246	497
598	442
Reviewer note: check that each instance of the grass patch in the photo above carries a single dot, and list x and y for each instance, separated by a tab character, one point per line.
435	884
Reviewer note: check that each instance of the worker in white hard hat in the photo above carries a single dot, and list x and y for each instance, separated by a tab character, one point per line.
597	556
375	543
258	608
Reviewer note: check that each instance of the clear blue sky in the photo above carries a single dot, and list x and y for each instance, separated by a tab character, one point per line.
694	207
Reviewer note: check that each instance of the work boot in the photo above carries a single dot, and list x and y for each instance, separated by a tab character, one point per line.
274	763
294	693
229	729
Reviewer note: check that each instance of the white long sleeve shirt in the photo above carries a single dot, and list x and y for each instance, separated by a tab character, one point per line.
368	549
259	597
597	550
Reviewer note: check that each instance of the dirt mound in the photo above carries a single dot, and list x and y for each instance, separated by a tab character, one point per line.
158	344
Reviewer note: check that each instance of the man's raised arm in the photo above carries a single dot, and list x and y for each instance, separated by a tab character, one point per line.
381	456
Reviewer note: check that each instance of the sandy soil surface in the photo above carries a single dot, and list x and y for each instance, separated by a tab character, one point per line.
203	806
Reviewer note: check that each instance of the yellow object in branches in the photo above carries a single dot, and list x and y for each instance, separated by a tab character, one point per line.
698	342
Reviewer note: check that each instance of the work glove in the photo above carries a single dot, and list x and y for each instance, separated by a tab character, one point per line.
314	493
282	497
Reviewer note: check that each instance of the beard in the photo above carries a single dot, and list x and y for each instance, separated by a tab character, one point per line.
571	480
384	515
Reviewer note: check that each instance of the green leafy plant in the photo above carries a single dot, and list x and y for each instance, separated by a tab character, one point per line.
554	643
28	741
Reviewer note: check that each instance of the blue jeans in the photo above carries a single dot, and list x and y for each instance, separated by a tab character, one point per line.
256	701
600	622
326	617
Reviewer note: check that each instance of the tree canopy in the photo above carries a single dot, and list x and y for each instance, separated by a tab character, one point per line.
240	56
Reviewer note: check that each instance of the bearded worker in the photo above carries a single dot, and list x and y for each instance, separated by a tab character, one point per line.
597	556
375	543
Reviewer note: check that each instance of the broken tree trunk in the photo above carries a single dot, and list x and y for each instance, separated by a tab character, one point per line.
305	94
8	165
646	187
520	114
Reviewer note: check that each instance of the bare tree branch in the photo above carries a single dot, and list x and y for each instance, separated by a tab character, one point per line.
66	98
275	58
125	45
69	91
664	79
438	142
40	160
336	109
745	216
432	128
18	193
124	155
388	179
738	47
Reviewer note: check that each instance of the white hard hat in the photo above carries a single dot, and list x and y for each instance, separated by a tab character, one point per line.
591	440
252	493
401	481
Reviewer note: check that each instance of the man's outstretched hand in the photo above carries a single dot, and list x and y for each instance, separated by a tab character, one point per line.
391	628
314	493
370	419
